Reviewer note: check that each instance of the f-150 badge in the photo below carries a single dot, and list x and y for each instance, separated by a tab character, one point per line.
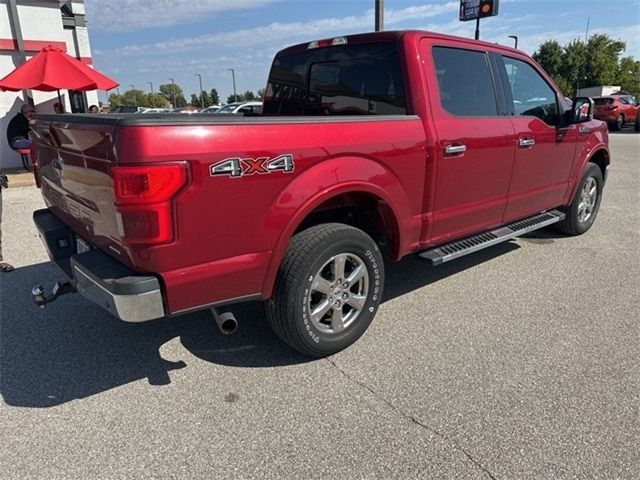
240	167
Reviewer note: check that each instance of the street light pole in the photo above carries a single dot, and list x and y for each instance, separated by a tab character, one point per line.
153	104
201	92
233	78
135	101
379	24
173	90
515	37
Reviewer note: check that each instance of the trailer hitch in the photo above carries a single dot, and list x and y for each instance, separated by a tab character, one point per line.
59	289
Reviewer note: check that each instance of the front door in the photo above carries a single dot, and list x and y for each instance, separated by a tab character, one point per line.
544	150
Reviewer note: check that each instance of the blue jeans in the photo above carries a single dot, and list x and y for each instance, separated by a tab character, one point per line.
20	143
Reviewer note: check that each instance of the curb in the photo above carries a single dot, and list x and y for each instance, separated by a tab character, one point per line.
20	178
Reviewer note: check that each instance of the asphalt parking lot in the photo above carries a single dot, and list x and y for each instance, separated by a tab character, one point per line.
521	361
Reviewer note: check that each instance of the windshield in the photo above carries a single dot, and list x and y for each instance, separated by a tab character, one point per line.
227	109
361	79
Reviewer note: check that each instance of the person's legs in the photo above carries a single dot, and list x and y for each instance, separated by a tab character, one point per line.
20	143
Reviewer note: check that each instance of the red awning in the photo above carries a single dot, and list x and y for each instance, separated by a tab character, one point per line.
51	69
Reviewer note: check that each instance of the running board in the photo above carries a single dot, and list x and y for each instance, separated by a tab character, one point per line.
460	248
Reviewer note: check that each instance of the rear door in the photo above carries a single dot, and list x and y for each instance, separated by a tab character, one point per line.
545	150
475	141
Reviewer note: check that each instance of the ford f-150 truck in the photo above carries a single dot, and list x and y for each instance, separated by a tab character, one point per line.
389	143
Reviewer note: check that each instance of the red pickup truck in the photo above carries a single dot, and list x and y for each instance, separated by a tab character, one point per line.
390	143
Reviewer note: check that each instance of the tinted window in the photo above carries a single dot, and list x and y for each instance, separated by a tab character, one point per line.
603	101
532	95
464	81
340	80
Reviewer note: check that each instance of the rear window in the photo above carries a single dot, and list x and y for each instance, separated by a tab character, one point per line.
603	101
362	79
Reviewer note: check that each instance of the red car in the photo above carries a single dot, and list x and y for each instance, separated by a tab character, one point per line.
369	148
617	111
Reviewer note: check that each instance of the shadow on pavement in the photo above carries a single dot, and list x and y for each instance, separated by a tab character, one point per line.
73	349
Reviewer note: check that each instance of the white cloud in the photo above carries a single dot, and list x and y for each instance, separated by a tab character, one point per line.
128	15
294	30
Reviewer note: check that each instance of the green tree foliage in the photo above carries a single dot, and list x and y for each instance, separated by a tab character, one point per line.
116	100
629	76
137	98
156	100
172	90
247	96
596	62
214	96
195	100
261	93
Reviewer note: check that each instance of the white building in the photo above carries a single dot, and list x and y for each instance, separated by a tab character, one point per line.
26	26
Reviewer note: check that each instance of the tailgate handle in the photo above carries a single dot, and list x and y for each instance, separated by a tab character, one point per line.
526	142
455	149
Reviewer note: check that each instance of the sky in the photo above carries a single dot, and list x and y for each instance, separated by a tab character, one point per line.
141	41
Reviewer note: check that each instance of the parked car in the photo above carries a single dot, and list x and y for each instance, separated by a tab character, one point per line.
439	146
212	109
127	109
157	110
617	111
188	109
241	107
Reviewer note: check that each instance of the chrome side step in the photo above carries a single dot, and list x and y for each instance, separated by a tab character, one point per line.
460	248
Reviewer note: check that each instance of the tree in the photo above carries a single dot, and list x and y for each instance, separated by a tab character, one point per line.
234	98
116	100
195	100
214	96
582	64
249	96
157	100
172	91
261	93
629	76
136	98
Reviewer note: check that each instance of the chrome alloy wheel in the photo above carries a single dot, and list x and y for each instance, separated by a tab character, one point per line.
588	199
338	293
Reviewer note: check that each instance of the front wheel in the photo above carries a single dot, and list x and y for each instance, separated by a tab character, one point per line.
618	124
582	212
327	290
636	125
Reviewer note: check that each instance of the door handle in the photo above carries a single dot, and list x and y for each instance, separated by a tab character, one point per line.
455	149
526	142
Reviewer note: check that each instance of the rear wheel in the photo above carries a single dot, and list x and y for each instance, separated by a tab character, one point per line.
327	290
636	125
582	212
618	124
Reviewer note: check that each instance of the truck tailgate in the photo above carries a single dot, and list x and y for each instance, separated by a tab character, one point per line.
73	161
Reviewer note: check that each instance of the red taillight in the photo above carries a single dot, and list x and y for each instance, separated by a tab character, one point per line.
143	201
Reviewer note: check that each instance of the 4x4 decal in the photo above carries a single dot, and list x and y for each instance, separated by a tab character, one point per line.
238	167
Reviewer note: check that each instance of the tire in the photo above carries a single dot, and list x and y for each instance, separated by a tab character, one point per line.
618	124
636	125
582	212
308	310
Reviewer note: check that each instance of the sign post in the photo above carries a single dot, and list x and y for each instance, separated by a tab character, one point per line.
477	9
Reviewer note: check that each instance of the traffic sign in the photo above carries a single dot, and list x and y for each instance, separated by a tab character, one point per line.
474	9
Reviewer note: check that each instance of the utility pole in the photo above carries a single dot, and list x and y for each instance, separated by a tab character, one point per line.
135	100
515	37
201	93
379	24
151	95
173	90
233	78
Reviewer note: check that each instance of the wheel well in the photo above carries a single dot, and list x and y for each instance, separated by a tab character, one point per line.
601	159
361	210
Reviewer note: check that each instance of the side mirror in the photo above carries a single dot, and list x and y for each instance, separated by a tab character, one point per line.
582	110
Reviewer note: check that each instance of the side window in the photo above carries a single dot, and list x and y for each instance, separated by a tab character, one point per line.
532	95
465	82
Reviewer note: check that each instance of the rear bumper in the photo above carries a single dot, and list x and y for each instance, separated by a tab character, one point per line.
97	276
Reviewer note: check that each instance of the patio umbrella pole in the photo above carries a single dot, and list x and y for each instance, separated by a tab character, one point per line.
60	102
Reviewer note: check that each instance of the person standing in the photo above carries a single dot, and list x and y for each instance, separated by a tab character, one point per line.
18	128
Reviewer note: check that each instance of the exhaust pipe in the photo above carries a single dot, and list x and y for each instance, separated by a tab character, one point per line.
226	321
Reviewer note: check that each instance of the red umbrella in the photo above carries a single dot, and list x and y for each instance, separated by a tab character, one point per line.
52	69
